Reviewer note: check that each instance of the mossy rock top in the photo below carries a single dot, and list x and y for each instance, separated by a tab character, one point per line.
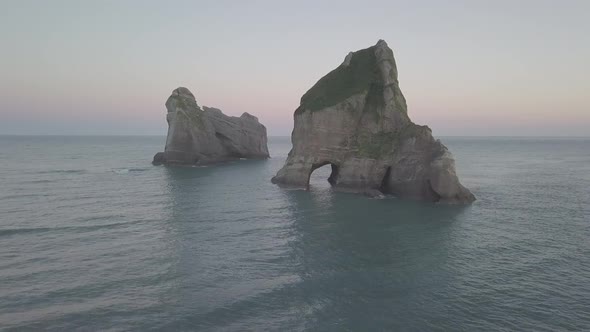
183	102
343	82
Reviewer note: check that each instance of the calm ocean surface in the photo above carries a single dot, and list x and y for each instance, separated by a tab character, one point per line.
93	237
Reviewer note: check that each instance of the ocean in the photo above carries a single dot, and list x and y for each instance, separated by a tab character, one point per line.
93	237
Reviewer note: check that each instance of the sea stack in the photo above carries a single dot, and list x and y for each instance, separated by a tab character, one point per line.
355	119
204	136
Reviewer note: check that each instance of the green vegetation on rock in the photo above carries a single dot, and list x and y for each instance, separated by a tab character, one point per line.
343	82
195	116
185	103
377	145
189	108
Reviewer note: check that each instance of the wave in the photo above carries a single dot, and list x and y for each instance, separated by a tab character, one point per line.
25	195
129	170
85	228
41	181
12	231
63	171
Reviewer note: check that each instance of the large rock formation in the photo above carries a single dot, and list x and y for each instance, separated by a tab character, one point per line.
203	136
355	118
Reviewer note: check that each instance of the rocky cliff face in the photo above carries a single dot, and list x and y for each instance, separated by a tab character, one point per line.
355	118
203	136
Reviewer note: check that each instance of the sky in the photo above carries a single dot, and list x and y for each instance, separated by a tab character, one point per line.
466	68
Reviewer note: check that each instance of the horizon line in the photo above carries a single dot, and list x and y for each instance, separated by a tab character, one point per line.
153	135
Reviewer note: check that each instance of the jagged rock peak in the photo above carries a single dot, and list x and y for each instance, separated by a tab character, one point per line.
355	118
346	62
183	92
181	98
203	136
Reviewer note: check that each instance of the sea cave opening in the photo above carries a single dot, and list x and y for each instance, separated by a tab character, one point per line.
385	181
320	173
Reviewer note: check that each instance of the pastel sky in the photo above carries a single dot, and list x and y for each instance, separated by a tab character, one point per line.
466	67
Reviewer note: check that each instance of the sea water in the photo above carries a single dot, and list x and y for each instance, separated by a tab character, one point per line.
93	237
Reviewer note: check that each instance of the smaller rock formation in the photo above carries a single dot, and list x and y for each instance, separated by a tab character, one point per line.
204	136
355	119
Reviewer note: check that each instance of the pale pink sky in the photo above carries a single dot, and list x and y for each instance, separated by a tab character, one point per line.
465	67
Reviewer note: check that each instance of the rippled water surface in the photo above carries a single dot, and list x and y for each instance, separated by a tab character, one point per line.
92	237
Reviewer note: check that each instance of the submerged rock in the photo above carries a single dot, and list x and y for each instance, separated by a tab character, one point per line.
203	136
355	118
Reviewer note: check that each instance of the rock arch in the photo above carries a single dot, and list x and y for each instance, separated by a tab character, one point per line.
356	118
332	179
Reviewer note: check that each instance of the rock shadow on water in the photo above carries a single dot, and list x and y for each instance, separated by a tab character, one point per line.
365	259
327	260
193	189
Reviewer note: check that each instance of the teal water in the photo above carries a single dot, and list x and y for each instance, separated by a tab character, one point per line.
92	237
